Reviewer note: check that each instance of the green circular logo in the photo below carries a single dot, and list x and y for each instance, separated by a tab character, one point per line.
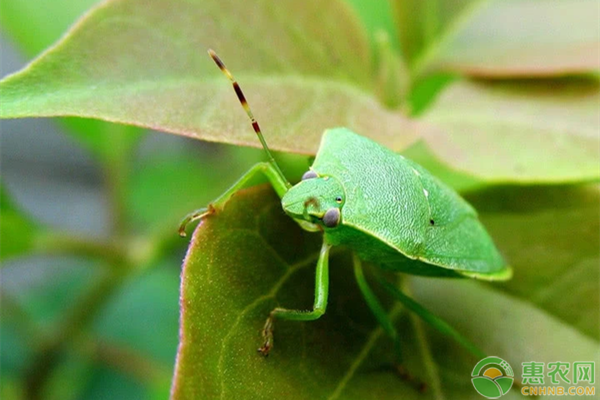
492	377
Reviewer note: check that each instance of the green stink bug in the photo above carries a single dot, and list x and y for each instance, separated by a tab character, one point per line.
389	210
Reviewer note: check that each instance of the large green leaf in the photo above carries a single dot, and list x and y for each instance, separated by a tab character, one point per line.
250	257
552	234
16	19
500	38
461	182
131	63
528	131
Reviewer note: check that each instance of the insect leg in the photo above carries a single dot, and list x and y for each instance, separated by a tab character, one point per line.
319	307
435	321
376	307
383	319
266	168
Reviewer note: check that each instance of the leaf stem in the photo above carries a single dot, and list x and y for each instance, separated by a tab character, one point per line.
15	315
116	167
116	178
129	361
48	354
119	254
63	243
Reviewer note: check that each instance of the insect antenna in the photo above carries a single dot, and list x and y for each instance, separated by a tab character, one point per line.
244	102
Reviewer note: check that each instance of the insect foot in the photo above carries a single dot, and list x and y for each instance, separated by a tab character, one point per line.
267	334
194	216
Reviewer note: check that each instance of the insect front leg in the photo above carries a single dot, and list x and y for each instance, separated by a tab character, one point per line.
268	169
319	307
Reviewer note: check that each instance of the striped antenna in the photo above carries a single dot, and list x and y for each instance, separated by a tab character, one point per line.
242	99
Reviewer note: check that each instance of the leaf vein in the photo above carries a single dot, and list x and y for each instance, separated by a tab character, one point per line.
362	355
270	295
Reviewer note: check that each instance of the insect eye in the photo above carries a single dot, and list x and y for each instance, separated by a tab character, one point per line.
338	199
309	175
331	219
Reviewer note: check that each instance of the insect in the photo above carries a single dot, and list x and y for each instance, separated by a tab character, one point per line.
388	209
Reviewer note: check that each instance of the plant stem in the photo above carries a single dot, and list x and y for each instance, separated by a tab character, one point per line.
129	361
116	182
61	243
47	355
114	252
122	140
13	313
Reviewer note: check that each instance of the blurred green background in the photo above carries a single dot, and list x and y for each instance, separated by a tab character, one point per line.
84	329
91	257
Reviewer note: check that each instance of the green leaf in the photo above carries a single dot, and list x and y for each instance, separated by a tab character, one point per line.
426	90
500	38
526	132
17	235
393	81
147	65
105	379
505	326
250	257
228	290
69	378
551	235
18	232
126	317
376	16
44	290
461	182
17	17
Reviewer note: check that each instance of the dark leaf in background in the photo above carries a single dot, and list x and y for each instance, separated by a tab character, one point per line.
500	38
551	236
